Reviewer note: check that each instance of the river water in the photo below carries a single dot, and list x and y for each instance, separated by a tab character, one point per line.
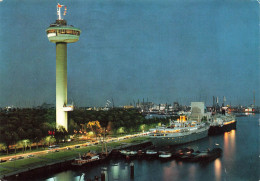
239	161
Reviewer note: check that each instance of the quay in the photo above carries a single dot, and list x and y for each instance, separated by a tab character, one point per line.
63	164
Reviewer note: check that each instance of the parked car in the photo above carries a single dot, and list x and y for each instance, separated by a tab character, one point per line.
29	156
54	147
77	146
1	161
12	159
20	157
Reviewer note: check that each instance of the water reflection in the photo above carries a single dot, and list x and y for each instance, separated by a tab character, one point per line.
115	171
229	143
217	169
170	170
192	172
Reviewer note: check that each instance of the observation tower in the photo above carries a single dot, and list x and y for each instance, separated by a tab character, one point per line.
61	34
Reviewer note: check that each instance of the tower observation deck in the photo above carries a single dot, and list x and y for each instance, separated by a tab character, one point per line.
61	34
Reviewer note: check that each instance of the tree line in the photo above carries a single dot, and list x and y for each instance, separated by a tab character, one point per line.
22	127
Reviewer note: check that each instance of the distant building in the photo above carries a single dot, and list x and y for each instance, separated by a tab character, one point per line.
176	106
198	110
145	106
128	107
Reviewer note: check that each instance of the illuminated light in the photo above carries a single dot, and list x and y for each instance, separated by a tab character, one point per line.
229	122
68	108
51	34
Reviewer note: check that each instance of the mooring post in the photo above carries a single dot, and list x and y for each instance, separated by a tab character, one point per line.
103	176
132	169
96	178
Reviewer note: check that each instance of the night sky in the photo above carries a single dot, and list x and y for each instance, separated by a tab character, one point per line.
166	51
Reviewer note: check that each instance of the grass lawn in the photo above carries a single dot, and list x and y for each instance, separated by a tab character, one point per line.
6	167
135	140
10	166
4	171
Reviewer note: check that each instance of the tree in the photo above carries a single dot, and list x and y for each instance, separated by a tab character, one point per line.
49	140
60	134
37	136
30	137
95	127
72	126
2	147
8	138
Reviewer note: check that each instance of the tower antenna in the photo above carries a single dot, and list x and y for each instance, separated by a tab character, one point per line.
59	6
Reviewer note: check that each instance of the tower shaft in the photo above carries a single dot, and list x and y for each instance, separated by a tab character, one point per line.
60	33
61	84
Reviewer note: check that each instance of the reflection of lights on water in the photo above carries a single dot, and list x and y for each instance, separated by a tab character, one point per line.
217	168
229	143
79	178
226	144
115	171
232	137
192	172
169	171
119	172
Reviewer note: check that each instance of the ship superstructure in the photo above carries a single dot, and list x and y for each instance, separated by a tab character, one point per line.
184	129
222	123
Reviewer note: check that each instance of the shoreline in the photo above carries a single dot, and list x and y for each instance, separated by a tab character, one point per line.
58	164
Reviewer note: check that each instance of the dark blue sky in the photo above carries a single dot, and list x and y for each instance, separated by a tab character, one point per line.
175	50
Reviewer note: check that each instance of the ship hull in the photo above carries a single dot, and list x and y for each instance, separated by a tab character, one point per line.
214	130
161	141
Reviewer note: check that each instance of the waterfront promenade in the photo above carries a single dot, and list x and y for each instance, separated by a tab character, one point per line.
60	155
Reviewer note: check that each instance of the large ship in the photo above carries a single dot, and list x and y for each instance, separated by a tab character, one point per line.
183	130
222	123
179	132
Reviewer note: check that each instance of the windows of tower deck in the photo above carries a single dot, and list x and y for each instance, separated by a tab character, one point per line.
64	31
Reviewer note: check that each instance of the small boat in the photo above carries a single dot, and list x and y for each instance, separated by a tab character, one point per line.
151	152
165	155
204	156
123	152
128	152
182	152
85	160
212	155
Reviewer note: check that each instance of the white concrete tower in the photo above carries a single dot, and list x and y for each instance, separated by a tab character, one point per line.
61	34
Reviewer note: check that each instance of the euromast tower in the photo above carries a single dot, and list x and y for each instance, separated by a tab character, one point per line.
61	34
